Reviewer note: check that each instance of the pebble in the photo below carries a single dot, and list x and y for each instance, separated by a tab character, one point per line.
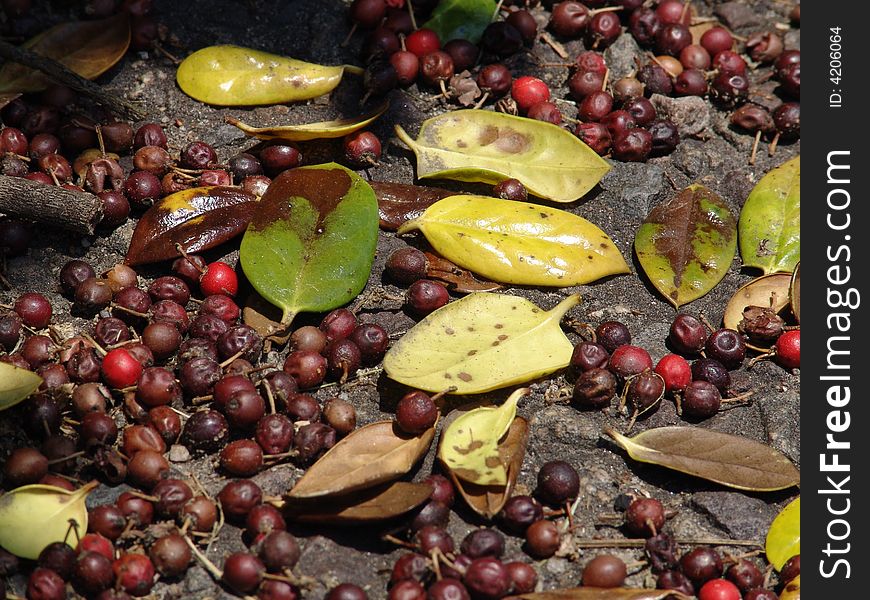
691	114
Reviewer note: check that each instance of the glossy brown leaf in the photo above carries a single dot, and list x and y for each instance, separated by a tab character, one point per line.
88	48
374	454
197	219
399	203
376	504
591	593
488	500
458	279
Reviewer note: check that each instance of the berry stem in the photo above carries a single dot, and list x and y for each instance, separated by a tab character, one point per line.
350	33
212	568
411	14
755	147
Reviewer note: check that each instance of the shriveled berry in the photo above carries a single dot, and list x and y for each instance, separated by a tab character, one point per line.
483	542
205	431
594	135
675	580
595	388
312	440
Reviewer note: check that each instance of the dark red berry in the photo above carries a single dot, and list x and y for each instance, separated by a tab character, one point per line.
605	571
558	482
425	296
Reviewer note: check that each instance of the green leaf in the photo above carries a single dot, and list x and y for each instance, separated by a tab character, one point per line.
730	460
461	19
311	244
486	146
469	446
482	342
784	536
237	76
770	222
16	384
686	244
311	131
518	242
34	516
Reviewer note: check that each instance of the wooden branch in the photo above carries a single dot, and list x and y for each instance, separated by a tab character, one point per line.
59	73
50	204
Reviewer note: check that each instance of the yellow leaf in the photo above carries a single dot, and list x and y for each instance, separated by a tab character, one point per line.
518	242
482	342
784	536
487	146
34	516
16	384
469	446
311	131
792	590
237	76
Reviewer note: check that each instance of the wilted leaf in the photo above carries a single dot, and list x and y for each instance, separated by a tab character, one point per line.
686	244
16	384
197	219
482	342
237	76
518	242
487	146
87	48
461	19
770	221
34	516
264	318
488	500
456	278
794	292
591	593
370	455
469	446
311	131
784	536
768	291
730	460
375	504
398	203
311	243
792	590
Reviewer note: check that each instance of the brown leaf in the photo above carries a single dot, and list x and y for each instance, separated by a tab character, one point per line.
723	458
373	454
265	318
376	504
88	48
5	99
487	501
399	202
197	219
457	278
591	593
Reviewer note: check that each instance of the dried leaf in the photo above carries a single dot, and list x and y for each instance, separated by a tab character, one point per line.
784	536
768	291
770	221
469	446
398	203
16	385
487	501
456	278
311	244
311	131
34	516
686	244
375	504
461	19
591	593
730	460
517	242
236	76
87	48
6	99
482	342
370	455
197	219
794	292
265	319
486	146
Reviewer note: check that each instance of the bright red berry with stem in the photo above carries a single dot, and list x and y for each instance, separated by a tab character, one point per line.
528	91
788	349
120	369
219	278
719	589
676	372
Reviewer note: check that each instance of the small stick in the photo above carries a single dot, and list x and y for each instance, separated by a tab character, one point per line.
411	13
771	150
556	46
481	101
755	147
346	40
212	569
639	543
270	396
493	18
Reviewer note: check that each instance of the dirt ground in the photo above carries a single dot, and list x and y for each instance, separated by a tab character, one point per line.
716	156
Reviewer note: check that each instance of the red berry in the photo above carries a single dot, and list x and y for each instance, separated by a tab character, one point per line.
788	349
719	589
628	360
134	573
676	372
422	42
528	91
34	310
94	542
120	369
219	278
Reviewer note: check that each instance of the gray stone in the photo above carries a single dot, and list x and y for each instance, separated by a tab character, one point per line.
691	114
738	515
737	15
637	187
621	57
